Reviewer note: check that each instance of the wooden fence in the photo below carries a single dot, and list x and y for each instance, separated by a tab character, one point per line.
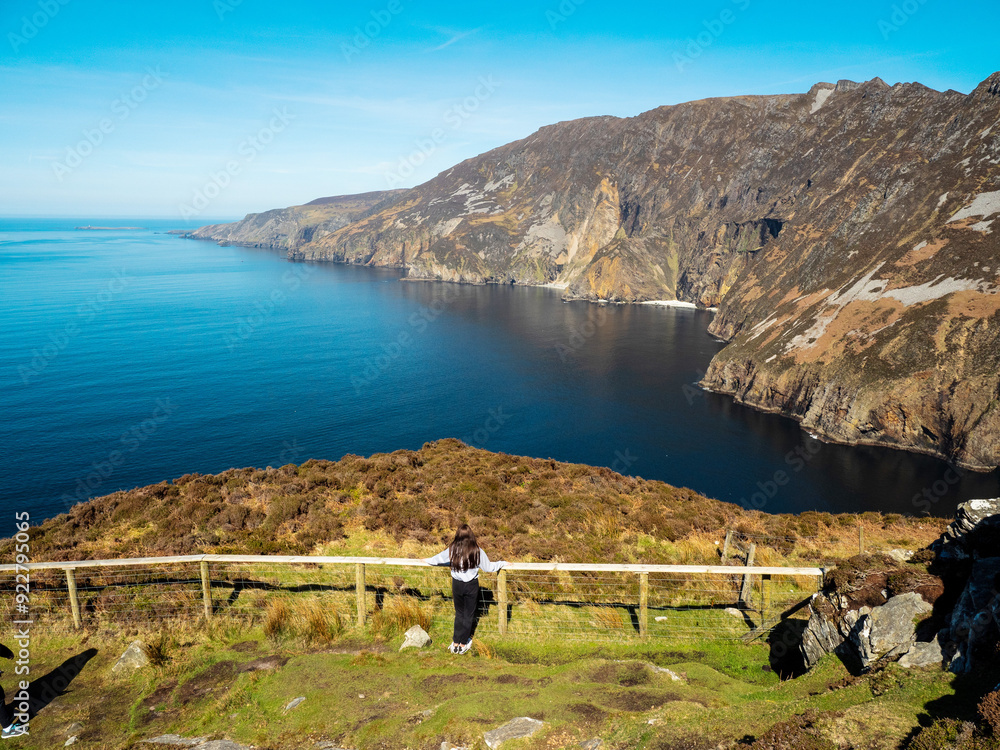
745	590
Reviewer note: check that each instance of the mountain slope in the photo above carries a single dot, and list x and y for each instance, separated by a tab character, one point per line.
845	233
287	228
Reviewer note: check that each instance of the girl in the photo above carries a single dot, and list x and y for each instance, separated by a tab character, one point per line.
466	560
9	727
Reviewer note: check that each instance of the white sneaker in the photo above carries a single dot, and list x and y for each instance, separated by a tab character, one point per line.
464	648
14	730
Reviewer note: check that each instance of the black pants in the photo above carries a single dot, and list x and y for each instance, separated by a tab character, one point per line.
6	718
466	597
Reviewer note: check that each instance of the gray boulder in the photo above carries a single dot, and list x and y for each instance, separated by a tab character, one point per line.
514	729
295	703
135	657
923	655
825	632
415	637
889	630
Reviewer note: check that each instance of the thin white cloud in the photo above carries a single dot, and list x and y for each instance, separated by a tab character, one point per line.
455	36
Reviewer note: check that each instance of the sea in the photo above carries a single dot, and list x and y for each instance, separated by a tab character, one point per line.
133	356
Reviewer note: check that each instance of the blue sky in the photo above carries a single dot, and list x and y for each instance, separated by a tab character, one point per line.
127	109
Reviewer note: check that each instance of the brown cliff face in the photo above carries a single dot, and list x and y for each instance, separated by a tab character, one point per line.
846	235
876	317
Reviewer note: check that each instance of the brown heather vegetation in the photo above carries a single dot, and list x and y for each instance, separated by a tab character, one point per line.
407	502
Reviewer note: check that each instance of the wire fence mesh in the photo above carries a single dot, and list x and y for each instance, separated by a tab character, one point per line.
324	597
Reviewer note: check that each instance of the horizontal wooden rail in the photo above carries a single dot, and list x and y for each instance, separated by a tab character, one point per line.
641	571
416	563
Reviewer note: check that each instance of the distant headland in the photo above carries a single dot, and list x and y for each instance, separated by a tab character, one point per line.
106	229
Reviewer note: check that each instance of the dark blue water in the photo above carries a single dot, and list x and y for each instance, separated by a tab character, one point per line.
132	357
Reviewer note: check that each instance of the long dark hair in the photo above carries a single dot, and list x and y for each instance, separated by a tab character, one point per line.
464	549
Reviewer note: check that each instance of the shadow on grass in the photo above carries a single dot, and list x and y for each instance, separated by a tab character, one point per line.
54	684
961	705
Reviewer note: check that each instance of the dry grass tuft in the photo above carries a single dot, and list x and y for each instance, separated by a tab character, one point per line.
483	649
320	622
278	618
608	617
398	614
158	649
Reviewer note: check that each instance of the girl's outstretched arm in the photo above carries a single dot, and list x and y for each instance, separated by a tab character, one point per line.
441	558
486	565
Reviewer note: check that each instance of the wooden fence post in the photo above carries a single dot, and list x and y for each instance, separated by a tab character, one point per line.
765	597
359	588
861	539
502	600
745	588
74	601
725	545
206	589
643	604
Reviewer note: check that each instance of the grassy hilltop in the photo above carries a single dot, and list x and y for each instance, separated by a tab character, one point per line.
408	503
232	677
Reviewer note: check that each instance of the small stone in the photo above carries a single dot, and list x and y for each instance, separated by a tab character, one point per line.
361	695
221	745
660	619
416	637
74	728
448	746
176	740
923	655
734	612
902	555
135	656
70	741
515	729
295	702
593	744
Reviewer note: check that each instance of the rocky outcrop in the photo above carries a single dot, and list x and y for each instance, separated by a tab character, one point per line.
970	550
846	234
864	636
871	609
975	532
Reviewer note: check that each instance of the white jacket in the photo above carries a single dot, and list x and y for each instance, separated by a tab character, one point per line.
443	558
